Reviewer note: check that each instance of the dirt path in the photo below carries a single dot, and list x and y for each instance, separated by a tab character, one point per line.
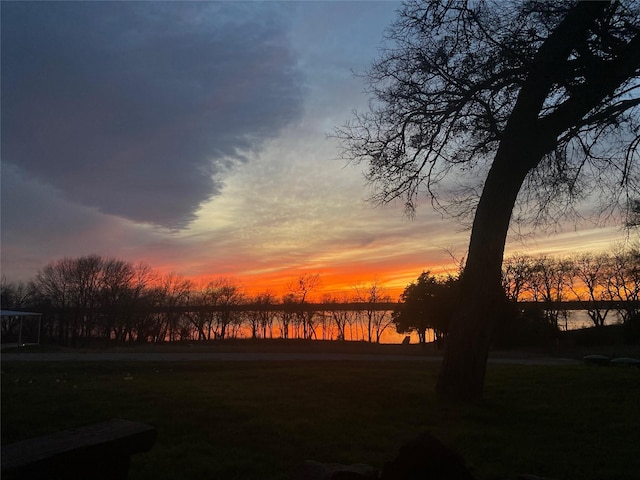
259	357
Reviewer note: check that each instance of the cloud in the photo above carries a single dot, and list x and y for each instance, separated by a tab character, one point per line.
39	226
139	109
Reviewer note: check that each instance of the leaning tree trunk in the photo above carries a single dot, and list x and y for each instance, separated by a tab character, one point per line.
463	368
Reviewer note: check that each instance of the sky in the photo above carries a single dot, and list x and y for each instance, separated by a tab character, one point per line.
195	137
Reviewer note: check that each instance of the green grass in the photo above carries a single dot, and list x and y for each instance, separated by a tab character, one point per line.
250	420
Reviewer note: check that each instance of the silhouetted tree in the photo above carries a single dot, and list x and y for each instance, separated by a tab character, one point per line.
428	303
70	286
341	318
116	285
263	319
515	275
300	291
624	281
225	293
538	98
172	290
89	296
137	320
592	273
13	296
548	280
202	321
286	316
376	321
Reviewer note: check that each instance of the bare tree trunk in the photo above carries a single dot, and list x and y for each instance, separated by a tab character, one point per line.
463	368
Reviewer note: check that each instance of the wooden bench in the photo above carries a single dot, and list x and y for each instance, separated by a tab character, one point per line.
101	451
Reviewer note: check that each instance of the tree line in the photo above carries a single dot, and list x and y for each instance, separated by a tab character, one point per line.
606	284
592	279
93	297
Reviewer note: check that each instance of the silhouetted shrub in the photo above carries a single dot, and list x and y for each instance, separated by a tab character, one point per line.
524	328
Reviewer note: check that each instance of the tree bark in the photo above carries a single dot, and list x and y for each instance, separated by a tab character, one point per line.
463	369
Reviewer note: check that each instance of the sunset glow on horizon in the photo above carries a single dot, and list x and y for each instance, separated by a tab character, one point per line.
340	279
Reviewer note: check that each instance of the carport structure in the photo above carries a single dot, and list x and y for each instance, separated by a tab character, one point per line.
8	316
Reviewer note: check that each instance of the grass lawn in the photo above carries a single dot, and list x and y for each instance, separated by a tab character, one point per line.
256	421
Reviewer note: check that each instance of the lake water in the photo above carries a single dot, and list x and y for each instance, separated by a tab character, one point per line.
580	319
576	319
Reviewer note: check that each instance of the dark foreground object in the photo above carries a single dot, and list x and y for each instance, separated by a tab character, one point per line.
602	361
424	457
101	451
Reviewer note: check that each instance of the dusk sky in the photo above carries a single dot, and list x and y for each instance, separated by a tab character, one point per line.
193	137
